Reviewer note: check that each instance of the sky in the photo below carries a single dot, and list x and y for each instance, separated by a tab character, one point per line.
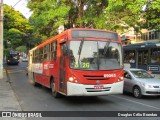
19	6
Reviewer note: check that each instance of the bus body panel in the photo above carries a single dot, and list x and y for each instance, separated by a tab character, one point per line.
107	82
91	77
90	90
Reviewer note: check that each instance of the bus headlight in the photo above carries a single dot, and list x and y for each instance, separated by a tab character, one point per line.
120	78
73	79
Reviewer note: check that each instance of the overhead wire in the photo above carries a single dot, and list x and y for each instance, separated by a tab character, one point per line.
16	4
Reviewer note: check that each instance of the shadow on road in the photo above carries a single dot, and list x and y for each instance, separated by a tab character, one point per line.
76	99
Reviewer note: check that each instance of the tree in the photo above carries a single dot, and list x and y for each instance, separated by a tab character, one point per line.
48	15
22	49
122	14
91	13
116	15
129	13
152	14
16	26
14	38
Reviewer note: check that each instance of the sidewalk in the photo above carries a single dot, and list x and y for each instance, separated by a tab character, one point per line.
8	100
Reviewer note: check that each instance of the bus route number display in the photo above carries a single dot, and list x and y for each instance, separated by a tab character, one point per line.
84	65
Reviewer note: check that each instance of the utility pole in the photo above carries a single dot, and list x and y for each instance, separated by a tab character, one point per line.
1	39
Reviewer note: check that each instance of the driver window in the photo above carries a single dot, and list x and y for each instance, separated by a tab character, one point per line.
127	75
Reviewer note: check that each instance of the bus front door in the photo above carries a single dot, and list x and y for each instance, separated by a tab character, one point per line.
62	82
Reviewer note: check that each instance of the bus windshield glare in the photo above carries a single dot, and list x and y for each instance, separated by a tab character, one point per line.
95	55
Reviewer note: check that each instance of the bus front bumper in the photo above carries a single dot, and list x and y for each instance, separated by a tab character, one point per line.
74	89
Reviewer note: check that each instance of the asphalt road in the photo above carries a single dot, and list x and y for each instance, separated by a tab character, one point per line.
40	99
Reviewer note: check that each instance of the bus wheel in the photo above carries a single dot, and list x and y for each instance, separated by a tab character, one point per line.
54	92
137	92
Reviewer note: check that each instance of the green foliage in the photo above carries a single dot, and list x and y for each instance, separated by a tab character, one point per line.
22	49
129	13
123	13
6	52
152	14
94	15
14	38
17	29
14	19
116	15
48	15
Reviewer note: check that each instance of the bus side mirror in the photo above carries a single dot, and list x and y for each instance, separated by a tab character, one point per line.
65	49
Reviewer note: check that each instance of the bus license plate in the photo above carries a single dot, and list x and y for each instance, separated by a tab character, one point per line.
98	86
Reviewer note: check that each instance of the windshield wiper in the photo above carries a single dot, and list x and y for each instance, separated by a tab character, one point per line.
80	50
80	47
106	47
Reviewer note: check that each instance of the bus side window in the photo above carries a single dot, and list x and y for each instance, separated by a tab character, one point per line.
41	54
44	53
53	52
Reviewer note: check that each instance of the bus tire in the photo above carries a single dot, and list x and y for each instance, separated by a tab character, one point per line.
54	92
34	82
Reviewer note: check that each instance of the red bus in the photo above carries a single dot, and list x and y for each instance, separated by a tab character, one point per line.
79	62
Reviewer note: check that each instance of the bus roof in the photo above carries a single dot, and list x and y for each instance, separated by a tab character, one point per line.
140	46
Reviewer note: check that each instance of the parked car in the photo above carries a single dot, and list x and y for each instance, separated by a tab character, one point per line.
140	82
25	59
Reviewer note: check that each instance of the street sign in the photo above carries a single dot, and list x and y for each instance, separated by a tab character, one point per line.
153	67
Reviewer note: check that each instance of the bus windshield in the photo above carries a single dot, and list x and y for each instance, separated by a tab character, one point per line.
14	56
95	55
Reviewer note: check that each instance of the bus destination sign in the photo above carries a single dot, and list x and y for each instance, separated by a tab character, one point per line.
94	34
